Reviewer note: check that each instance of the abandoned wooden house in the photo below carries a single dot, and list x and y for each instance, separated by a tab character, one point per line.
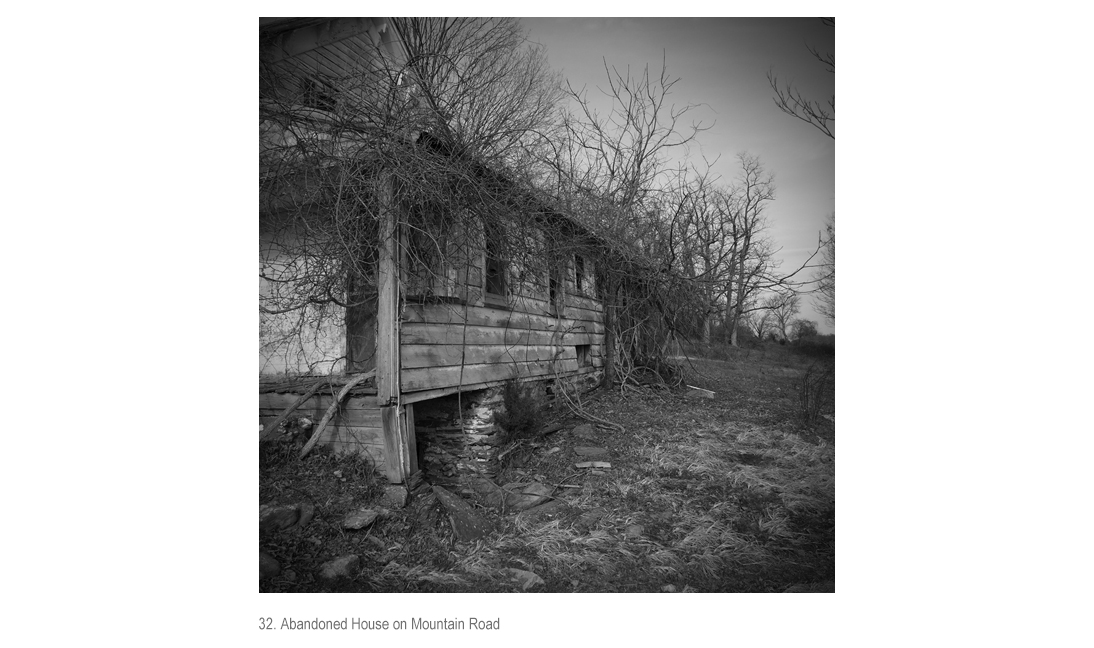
452	302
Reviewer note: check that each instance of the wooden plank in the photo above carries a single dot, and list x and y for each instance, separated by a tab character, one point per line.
582	315
281	401
367	441
305	39
486	316
411	435
393	451
369	417
490	335
418	396
438	377
584	302
443	355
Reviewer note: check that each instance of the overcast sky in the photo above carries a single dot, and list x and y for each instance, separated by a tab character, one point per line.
722	64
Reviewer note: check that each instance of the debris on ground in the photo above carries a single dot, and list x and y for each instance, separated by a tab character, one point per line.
341	567
362	517
466	524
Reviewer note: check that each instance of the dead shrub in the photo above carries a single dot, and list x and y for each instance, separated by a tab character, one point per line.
523	411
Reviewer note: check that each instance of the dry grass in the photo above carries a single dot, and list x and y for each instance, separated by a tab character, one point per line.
730	494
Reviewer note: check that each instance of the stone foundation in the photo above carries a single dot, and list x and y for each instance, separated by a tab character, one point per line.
455	446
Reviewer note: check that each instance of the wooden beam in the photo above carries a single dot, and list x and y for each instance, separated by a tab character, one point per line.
419	396
305	39
387	325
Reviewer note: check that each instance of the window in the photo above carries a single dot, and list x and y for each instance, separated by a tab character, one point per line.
584	355
319	94
555	291
579	273
495	268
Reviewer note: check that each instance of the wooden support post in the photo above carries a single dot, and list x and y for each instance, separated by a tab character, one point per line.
396	445
387	323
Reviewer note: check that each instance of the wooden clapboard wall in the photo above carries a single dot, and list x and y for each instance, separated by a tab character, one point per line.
444	345
356	427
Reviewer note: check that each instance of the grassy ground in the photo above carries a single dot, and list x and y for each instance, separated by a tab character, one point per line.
731	494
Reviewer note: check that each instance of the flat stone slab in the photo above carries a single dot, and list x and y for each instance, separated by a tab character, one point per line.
277	518
588	451
340	567
526	579
585	431
544	512
268	567
589	518
362	517
466	523
514	496
394	497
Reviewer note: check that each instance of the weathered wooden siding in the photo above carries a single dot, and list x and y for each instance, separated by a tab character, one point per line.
357	426
445	345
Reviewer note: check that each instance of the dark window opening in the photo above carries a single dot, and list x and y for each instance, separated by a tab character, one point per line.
319	94
579	273
495	268
555	292
584	355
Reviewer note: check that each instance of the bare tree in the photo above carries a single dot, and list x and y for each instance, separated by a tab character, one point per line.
789	100
783	307
825	275
613	170
753	263
802	328
758	321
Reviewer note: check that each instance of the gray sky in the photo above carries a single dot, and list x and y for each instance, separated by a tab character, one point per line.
722	64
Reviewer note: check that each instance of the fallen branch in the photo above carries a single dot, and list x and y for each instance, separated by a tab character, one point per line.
510	449
332	409
581	413
269	429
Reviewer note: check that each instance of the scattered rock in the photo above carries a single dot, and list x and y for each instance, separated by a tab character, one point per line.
289	575
307	513
268	567
277	518
634	531
526	579
521	497
394	497
585	431
552	451
589	518
386	557
340	567
548	511
587	451
466	524
513	497
668	588
362	517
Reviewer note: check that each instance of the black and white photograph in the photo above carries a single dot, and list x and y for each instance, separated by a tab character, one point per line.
547	305
546	325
